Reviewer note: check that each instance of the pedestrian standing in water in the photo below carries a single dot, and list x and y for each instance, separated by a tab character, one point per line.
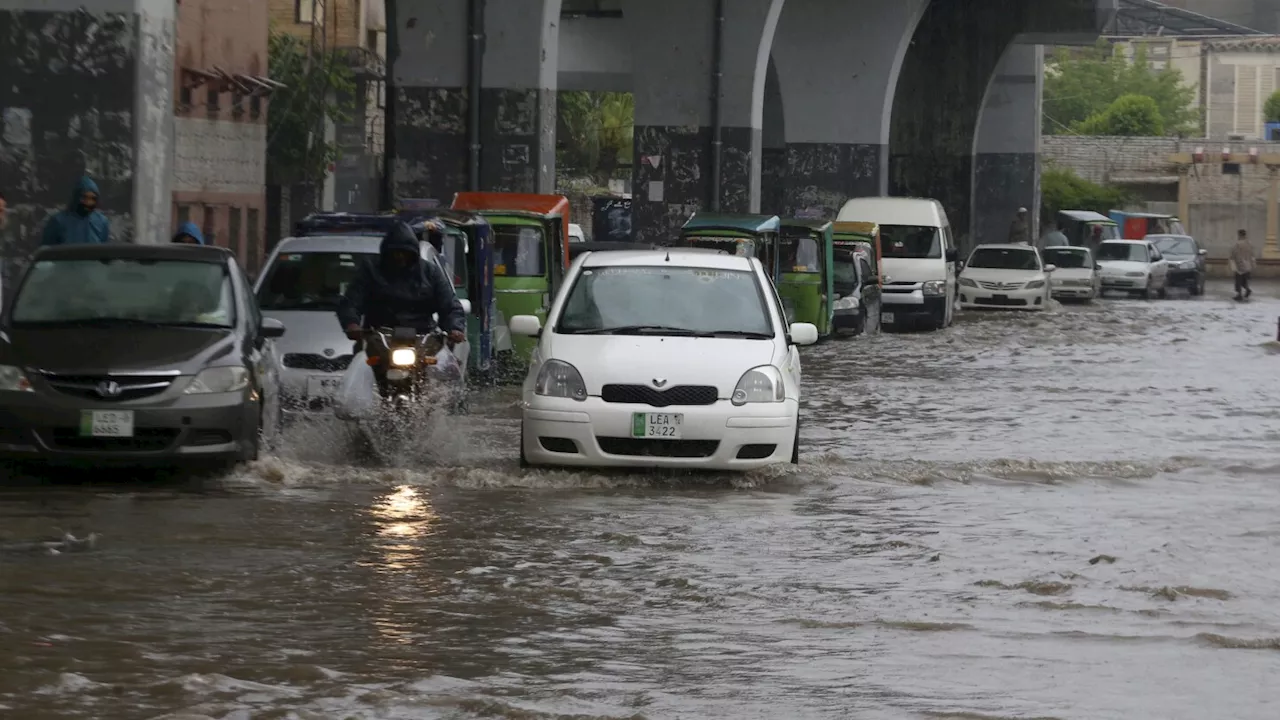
1020	230
1241	262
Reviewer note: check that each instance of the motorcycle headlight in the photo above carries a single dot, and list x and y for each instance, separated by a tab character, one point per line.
13	380
560	379
966	282
759	384
403	357
1035	284
934	287
219	380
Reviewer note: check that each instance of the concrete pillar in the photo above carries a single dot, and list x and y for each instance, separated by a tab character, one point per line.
87	88
838	91
1006	148
518	88
773	144
672	49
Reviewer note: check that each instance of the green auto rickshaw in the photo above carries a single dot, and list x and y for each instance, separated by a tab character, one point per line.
806	272
531	248
746	235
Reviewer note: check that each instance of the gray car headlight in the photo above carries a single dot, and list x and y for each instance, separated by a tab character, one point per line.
218	380
846	303
12	379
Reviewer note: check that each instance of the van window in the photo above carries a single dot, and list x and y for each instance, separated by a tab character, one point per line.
912	242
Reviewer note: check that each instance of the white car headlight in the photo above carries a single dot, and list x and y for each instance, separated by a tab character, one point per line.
1035	284
403	357
560	379
219	380
934	287
759	384
850	302
966	282
13	380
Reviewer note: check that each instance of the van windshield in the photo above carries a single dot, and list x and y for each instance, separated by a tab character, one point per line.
310	280
912	242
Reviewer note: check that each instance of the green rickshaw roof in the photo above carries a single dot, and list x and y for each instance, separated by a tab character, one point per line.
753	224
817	225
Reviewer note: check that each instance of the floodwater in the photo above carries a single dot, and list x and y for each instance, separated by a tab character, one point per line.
1065	515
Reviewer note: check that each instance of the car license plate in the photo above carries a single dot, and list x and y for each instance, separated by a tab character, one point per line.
659	426
106	423
886	318
322	386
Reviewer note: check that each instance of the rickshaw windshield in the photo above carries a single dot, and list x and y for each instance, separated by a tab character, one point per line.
845	269
736	246
454	253
520	251
799	254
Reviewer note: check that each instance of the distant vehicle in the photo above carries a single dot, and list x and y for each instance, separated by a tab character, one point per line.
1008	276
1080	227
301	285
857	293
1138	225
737	234
703	373
575	233
1075	275
918	257
1187	266
139	355
1133	266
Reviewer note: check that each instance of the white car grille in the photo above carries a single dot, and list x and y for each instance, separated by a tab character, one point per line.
1000	285
1075	283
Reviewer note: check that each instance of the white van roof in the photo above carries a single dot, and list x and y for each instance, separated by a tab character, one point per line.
894	211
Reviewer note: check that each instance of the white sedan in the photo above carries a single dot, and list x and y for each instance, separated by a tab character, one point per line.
1133	266
1075	275
663	358
1005	276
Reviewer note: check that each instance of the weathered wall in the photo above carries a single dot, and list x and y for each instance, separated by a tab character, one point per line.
343	21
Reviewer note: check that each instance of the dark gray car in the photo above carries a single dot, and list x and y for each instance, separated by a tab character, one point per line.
137	354
1187	267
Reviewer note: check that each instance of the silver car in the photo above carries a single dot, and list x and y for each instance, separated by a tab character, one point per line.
300	286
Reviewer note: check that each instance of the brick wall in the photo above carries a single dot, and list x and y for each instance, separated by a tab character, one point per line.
342	21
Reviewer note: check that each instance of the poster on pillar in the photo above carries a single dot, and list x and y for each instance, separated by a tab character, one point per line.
655	191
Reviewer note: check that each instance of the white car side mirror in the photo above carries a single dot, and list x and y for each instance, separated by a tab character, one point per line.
527	325
1050	268
804	333
466	306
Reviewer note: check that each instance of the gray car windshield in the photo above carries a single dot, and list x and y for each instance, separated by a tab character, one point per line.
1132	252
130	291
639	300
1067	259
1174	245
910	242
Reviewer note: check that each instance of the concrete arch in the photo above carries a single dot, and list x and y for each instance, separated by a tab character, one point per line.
1006	145
773	145
941	87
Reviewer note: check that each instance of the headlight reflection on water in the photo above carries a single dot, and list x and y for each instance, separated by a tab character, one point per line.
403	519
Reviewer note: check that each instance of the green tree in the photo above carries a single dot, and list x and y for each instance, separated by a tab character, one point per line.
1129	115
318	86
596	130
1062	189
1083	82
1271	110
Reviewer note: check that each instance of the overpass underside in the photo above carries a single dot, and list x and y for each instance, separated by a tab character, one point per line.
781	106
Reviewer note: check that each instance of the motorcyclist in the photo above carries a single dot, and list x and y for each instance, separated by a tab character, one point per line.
81	222
401	290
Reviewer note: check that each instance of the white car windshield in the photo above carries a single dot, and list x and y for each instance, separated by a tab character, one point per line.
1067	259
1131	252
310	280
1004	259
644	300
153	292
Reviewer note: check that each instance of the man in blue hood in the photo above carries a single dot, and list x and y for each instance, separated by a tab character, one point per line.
188	234
82	222
401	290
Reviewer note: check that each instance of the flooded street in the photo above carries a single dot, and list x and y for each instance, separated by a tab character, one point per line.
1065	515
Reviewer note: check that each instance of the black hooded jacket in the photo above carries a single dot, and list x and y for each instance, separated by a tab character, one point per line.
389	297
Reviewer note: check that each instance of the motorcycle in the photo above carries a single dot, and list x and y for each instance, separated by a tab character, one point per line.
413	372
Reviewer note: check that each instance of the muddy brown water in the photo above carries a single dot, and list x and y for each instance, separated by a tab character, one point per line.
1068	515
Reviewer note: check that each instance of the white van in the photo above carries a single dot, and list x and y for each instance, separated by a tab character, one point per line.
919	258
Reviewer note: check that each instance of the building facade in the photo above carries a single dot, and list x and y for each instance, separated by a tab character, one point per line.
220	123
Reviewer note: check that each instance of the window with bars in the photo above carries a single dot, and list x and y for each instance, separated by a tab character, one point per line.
233	230
210	219
1253	86
310	11
253	253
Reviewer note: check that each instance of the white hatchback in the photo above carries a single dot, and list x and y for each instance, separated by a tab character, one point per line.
663	358
1005	276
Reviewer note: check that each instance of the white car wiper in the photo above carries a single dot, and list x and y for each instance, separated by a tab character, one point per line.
641	330
749	334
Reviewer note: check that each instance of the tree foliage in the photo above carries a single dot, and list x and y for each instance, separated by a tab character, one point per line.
1129	115
1083	83
1062	189
1271	110
596	130
319	86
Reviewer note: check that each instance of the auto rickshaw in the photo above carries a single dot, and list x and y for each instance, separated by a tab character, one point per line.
1138	225
806	272
1086	228
746	235
863	237
531	248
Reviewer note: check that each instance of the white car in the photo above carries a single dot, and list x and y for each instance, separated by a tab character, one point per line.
1133	266
1005	276
575	233
663	358
1075	275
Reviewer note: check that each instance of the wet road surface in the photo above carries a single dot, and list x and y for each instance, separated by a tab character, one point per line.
1065	515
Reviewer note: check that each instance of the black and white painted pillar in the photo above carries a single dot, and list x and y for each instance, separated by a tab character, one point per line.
518	103
838	66
1006	147
672	46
